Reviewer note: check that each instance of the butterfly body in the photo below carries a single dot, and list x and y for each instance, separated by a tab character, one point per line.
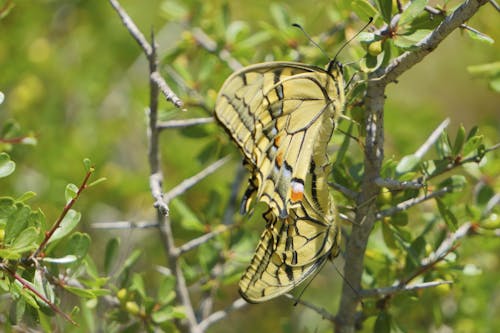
281	115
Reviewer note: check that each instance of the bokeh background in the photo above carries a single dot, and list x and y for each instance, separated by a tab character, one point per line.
73	76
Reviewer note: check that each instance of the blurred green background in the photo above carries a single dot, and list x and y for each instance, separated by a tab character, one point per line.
73	75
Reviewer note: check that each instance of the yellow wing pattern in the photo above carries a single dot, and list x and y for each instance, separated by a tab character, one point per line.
281	116
292	249
278	114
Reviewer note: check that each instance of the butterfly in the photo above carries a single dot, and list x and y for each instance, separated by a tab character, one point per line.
279	114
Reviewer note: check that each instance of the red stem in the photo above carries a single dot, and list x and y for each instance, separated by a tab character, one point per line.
63	214
38	294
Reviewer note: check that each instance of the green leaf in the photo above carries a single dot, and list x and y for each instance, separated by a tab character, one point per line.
385	7
85	293
78	245
26	196
280	16
364	9
138	285
110	254
208	256
443	146
456	183
6	165
388	234
488	70
16	222
26	241
166	292
409	41
383	323
189	220
459	141
370	63
415	8
68	223
472	145
447	215
400	219
479	36
71	192
408	163
87	163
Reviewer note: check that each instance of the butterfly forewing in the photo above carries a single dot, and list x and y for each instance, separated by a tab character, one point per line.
278	114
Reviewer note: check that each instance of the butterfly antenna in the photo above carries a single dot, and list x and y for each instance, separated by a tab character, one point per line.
350	40
349	284
311	40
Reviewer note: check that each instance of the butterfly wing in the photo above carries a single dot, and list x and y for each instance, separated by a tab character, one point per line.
278	114
292	249
289	251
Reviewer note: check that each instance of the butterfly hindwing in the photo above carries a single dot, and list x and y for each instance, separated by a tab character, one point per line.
289	251
278	114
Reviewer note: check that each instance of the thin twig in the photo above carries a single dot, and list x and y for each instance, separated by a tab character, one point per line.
155	185
167	91
208	44
219	315
124	225
149	51
132	28
190	182
184	123
394	185
64	212
448	243
432	138
408	59
194	243
319	310
402	206
379	292
347	192
32	289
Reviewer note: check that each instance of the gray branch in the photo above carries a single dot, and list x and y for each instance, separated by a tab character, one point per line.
190	182
219	315
380	292
374	155
184	123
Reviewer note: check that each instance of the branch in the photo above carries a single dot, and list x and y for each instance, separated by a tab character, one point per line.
194	243
208	44
321	311
219	315
184	123
150	52
379	292
190	182
432	139
132	28
402	206
166	90
32	289
395	185
408	59
374	154
64	212
124	225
